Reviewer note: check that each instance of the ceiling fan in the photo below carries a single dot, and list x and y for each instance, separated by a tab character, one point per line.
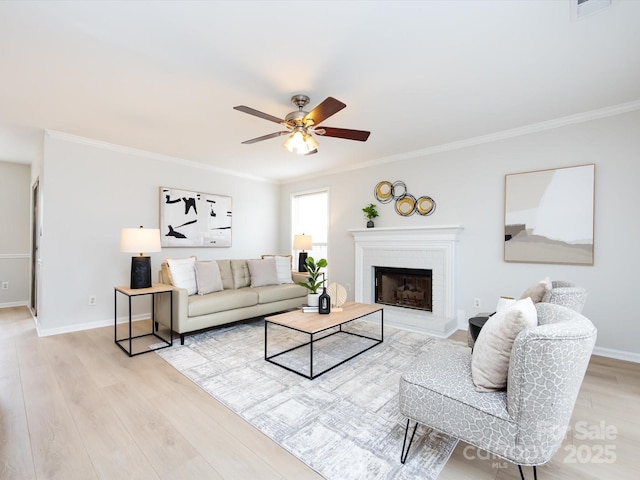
300	125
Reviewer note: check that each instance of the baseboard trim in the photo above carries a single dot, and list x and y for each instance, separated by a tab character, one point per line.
46	332
617	354
13	304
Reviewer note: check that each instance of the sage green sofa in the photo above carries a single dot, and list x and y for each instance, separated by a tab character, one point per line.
237	301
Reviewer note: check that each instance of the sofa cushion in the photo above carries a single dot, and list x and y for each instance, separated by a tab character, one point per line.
226	273
208	277
263	272
183	273
492	349
221	301
275	293
240	272
537	292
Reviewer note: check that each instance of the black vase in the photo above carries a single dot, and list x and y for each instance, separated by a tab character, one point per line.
370	224
324	302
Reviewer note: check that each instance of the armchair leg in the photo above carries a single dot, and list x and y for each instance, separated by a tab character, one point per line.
535	473
403	455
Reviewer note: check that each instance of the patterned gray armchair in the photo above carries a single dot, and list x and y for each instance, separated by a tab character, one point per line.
524	424
567	295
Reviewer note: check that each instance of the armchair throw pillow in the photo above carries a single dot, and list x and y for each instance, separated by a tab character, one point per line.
492	349
536	292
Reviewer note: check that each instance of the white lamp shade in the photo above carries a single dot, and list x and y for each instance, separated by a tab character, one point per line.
302	242
140	240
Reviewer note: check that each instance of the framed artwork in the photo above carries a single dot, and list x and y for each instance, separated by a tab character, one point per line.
194	219
549	216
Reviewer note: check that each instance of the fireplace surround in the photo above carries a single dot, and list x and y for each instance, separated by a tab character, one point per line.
432	248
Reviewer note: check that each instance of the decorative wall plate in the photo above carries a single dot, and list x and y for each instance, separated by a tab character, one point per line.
425	205
406	205
398	189
384	192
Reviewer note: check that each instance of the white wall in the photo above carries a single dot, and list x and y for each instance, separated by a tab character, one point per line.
15	205
91	190
468	187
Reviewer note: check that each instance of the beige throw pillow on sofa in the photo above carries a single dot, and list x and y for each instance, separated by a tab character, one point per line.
263	272
208	277
492	349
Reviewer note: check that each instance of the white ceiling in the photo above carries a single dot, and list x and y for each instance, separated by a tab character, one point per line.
164	76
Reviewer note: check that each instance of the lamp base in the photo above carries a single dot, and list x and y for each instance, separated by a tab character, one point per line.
140	272
302	266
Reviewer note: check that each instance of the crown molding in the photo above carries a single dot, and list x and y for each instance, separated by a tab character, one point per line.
145	153
492	137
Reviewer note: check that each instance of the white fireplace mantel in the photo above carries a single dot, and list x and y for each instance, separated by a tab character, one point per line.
430	247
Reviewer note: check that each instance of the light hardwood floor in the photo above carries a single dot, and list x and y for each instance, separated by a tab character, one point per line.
74	406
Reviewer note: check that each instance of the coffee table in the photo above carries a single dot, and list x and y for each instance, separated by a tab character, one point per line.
320	328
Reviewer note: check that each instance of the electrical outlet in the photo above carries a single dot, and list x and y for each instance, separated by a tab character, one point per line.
92	300
476	302
348	287
5	285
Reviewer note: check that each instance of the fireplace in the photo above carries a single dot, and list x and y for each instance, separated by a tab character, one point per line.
426	247
403	287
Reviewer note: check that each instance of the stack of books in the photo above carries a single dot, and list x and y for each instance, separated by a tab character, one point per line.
308	309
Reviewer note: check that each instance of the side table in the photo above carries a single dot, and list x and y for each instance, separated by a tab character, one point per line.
155	289
475	325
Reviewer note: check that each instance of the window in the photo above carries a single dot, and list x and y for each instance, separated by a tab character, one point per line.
310	216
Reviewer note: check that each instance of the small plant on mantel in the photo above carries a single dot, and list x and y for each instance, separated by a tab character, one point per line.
370	212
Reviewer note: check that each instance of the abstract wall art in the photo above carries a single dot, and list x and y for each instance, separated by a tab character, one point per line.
406	204
549	216
194	219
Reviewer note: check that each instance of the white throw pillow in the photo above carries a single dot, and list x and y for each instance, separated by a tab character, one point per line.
183	273
284	266
492	349
208	277
283	269
263	272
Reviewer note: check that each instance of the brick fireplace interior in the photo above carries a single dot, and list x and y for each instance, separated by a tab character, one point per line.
403	287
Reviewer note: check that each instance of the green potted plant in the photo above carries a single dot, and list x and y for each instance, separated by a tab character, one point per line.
314	282
370	212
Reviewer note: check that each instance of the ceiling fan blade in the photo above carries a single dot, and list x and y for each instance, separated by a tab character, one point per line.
265	137
257	113
345	133
323	111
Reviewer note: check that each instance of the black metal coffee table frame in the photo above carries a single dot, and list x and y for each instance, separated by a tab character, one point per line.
314	338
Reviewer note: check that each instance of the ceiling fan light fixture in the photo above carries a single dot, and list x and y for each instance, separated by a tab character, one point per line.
300	142
295	142
311	143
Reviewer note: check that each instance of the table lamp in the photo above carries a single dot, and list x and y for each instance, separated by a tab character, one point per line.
302	243
139	240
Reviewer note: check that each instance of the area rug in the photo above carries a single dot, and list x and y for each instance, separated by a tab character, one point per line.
345	424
